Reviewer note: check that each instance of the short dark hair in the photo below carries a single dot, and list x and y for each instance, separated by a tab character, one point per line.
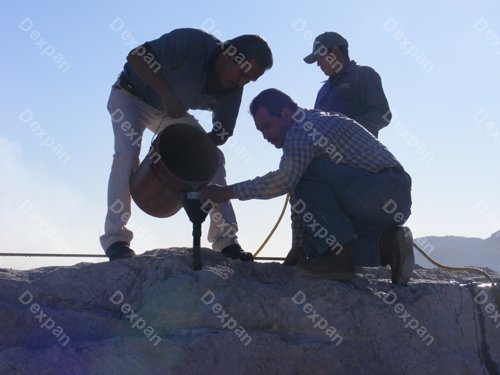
274	101
253	47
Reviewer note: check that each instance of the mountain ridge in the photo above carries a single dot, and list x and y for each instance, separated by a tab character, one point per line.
458	250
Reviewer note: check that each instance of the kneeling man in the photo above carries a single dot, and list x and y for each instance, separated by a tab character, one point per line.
349	195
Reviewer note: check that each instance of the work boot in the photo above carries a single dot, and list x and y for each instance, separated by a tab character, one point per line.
119	250
335	265
396	250
235	251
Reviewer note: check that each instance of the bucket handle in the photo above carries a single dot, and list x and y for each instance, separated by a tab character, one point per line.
155	134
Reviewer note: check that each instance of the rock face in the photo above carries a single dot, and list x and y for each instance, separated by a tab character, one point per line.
153	314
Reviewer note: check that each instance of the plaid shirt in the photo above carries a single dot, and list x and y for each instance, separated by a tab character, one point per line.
317	135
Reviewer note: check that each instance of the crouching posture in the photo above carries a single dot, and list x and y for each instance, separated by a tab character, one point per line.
349	195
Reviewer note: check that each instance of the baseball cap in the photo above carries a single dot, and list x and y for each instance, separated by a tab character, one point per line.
324	41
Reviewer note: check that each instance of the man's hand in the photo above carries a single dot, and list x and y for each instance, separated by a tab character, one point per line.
173	106
215	138
293	256
217	194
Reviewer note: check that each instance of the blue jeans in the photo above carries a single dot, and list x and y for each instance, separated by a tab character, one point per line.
352	204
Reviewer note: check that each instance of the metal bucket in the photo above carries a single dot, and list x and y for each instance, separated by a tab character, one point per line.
182	158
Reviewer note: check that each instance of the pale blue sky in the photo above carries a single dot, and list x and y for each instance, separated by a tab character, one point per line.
438	62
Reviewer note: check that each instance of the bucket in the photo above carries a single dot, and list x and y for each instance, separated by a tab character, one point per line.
182	158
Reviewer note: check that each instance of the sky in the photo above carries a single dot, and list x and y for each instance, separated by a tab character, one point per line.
439	64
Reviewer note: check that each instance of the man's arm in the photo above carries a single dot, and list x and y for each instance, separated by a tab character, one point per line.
377	113
217	194
171	102
224	117
298	153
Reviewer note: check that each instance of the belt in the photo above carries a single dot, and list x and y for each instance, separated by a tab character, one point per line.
125	84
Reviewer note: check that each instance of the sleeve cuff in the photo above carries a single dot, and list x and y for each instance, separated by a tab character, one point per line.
241	191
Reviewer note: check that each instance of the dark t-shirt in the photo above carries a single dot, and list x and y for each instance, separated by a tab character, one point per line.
186	58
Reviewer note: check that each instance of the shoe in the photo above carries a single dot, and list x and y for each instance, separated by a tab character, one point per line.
119	250
331	265
396	250
235	251
293	257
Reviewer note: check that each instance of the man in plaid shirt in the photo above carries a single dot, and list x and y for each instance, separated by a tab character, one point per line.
349	195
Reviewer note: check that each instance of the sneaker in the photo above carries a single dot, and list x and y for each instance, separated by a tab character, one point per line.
235	251
119	250
396	250
331	265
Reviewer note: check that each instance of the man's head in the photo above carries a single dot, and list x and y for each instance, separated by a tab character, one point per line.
330	52
272	111
243	59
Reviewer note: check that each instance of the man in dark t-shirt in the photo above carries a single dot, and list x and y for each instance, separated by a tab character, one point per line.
162	79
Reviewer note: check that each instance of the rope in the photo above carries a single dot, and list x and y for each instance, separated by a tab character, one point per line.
53	255
274	228
494	284
89	255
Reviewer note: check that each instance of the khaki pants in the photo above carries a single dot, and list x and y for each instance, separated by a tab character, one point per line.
130	117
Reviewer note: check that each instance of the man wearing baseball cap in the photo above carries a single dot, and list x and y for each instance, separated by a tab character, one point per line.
351	89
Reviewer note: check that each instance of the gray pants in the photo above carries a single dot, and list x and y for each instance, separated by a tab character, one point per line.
130	117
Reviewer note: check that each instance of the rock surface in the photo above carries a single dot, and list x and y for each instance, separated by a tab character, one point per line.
153	314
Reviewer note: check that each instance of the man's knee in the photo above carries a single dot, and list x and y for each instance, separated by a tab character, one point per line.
398	211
